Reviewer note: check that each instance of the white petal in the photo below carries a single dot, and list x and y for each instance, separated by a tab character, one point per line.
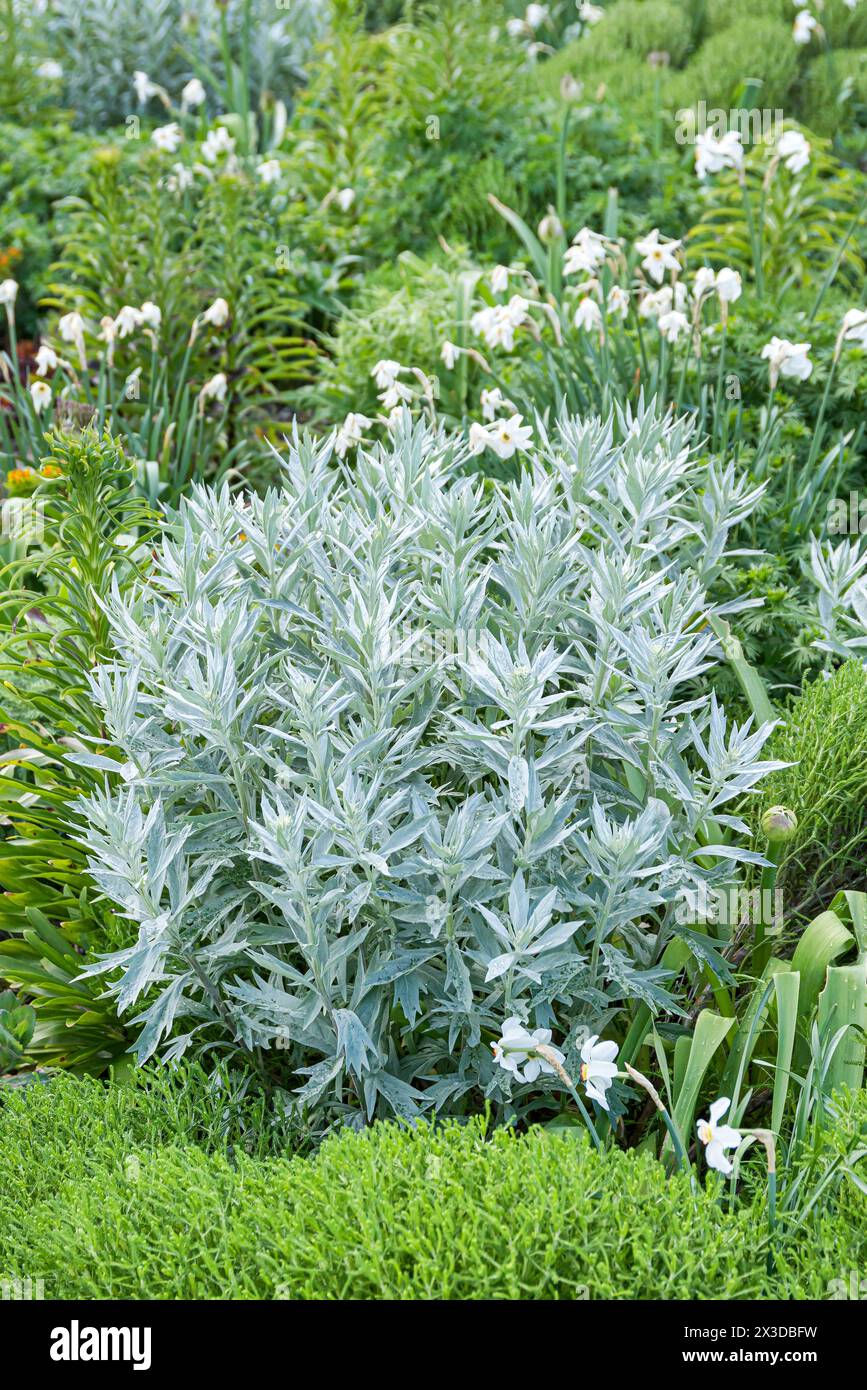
718	1109
727	1137
598	1096
604	1072
605	1052
587	1049
532	1069
716	1158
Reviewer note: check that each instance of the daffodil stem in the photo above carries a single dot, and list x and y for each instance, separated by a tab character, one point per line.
642	1081
767	887
551	1057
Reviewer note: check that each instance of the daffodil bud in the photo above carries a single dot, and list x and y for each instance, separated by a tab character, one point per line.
779	824
570	88
550	228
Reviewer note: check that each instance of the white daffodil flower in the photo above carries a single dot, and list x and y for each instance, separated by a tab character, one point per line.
802	29
728	285
492	402
193	94
108	334
50	70
215	388
151	315
386	372
794	150
345	199
8	293
506	436
712	155
590	14
585	254
180	179
127	321
217	142
717	1138
658	256
704	282
395	395
479	438
40	393
217	314
168	138
269	170
588	315
598	1068
46	360
536	15
618	301
854	327
144	88
787	359
516	1048
663	300
500	279
516	310
515	27
672	324
498	322
449	352
71	329
350	433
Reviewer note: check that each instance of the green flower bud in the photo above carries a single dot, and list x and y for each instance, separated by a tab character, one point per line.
779	824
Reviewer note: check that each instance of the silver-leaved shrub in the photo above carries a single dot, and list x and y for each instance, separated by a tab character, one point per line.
410	751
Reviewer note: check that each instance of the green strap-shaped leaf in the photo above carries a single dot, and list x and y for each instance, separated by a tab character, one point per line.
710	1031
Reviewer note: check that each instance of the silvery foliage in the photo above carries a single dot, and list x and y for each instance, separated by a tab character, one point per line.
839	575
101	43
410	751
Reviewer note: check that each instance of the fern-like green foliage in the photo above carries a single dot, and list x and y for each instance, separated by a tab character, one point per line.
52	634
805	220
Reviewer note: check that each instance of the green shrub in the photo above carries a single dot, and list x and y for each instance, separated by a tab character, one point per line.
835	90
615	52
728	14
92	1206
630	79
759	48
640	27
824	737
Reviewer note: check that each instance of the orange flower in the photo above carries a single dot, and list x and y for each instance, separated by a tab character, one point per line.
20	482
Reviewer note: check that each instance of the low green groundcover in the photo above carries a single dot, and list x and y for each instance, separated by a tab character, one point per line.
127	1192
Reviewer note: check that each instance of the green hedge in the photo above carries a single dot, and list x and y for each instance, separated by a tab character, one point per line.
823	738
103	1196
827	79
